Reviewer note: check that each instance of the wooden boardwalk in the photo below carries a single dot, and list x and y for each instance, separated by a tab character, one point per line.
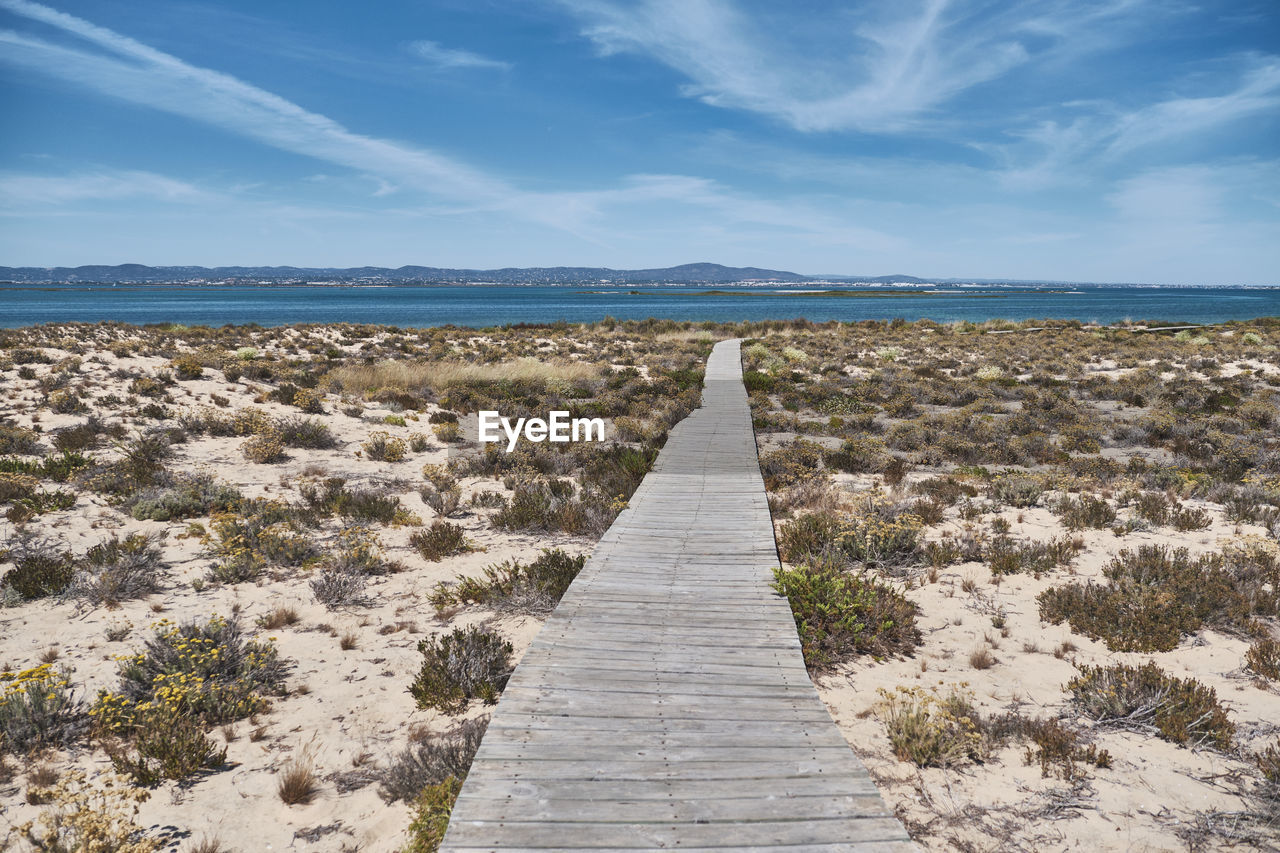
665	703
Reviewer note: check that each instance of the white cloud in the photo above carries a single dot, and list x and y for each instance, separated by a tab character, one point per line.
885	67
96	186
447	57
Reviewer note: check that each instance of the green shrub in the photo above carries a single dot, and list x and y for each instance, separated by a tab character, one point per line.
311	433
870	536
431	816
259	534
467	664
1154	598
1182	711
534	587
335	498
1085	511
188	496
164	747
840	615
1006	556
440	540
38	708
204	671
39	569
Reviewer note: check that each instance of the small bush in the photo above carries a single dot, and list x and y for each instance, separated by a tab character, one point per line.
39	569
164	747
431	816
309	400
533	588
18	440
461	666
189	496
187	367
432	761
262	533
1263	658
15	487
264	448
206	671
449	432
869	536
118	569
840	615
1085	511
310	433
1182	711
1154	598
38	708
1016	491
930	730
84	818
336	498
1005	556
381	447
440	540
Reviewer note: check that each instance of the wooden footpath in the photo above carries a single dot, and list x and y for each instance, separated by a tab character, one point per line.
665	703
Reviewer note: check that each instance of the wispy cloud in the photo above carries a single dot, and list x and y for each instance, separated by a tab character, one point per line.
447	57
129	70
97	186
882	67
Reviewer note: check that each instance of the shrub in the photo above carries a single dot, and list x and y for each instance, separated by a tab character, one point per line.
39	569
467	664
309	400
1182	711
311	433
840	615
1085	511
188	496
118	569
65	402
789	465
448	432
360	504
432	761
15	487
355	556
871	535
38	708
1154	598
165	747
533	588
262	533
84	818
187	367
930	730
440	540
1263	657
431	816
264	447
1005	556
14	439
381	447
1016	491
206	671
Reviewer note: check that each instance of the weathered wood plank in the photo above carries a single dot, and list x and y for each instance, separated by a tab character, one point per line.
665	702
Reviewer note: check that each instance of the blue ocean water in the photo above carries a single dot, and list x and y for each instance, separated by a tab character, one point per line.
495	305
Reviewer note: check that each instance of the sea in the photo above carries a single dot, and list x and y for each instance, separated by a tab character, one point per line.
482	305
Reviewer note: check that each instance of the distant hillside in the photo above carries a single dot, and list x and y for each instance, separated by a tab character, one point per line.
702	273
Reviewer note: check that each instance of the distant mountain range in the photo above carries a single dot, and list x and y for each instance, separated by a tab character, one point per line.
702	273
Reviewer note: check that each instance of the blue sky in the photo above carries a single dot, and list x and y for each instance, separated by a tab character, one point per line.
1055	139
